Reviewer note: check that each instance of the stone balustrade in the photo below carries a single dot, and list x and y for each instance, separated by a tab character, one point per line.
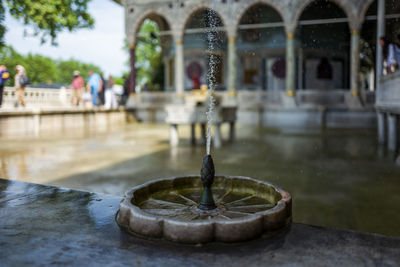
319	107
246	99
389	93
35	121
388	110
39	97
51	110
250	99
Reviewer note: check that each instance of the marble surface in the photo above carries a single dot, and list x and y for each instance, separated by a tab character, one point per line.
44	225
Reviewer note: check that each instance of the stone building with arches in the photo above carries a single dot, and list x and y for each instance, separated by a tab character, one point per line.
293	53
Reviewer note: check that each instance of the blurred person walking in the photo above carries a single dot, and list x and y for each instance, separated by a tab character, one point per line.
78	85
391	55
94	86
126	92
87	98
110	99
4	76
21	81
103	90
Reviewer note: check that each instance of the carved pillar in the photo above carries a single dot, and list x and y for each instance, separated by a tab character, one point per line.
290	65
380	31
381	120
132	76
179	68
355	63
392	131
232	66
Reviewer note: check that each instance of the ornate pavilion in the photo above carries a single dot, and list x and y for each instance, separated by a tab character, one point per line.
291	53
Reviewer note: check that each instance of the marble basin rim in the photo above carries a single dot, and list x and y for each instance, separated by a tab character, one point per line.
138	221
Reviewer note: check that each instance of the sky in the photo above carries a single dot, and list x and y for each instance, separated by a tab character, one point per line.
101	45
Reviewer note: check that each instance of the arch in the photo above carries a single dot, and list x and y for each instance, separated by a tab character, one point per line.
261	48
325	47
198	42
345	5
193	10
370	46
250	4
364	6
152	15
359	13
201	16
392	6
163	23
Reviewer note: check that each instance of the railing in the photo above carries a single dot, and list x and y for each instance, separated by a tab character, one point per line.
389	92
311	98
247	99
153	99
38	97
388	110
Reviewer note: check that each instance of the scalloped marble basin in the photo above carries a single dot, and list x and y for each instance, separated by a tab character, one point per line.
167	208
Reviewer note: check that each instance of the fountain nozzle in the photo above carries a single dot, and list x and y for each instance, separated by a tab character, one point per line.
207	178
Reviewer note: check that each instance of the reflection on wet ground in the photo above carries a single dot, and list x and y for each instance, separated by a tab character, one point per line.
338	178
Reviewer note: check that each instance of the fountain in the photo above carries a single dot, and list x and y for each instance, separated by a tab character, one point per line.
177	210
241	208
199	209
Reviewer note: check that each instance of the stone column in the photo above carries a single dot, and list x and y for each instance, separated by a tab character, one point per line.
173	135
132	76
290	65
166	71
392	122
232	66
193	134
380	31
381	119
179	68
217	135
203	133
300	70
231	131
355	63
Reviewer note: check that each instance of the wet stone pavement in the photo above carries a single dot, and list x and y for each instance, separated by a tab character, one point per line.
338	178
44	225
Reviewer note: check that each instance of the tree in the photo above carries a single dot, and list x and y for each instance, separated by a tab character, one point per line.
11	58
2	27
41	69
149	66
66	67
47	18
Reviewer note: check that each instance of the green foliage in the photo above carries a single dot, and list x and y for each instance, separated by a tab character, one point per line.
149	68
41	69
66	67
10	58
2	27
47	18
119	80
